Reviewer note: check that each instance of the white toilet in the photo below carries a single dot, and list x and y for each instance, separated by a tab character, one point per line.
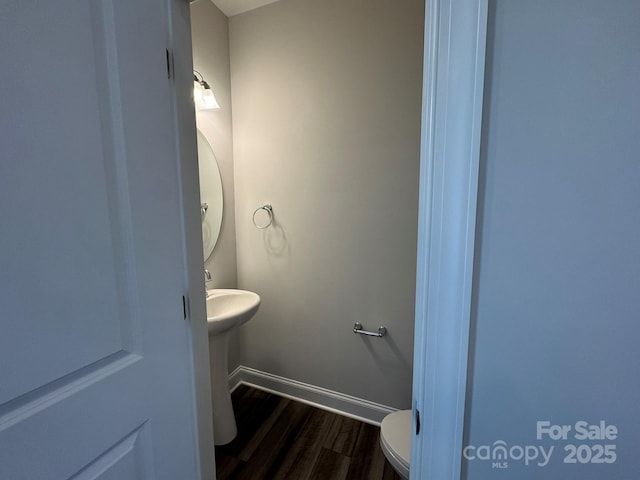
395	440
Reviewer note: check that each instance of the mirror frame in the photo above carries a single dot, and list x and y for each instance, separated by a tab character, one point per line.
211	195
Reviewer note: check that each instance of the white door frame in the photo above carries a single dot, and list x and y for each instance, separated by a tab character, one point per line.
454	58
184	114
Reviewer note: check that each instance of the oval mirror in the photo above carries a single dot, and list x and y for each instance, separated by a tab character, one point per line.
210	195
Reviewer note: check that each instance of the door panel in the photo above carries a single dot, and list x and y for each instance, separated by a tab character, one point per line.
49	198
95	375
124	461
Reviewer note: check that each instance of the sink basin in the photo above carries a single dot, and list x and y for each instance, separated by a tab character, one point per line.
229	308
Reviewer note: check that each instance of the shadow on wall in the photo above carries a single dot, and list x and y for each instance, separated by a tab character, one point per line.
392	363
274	238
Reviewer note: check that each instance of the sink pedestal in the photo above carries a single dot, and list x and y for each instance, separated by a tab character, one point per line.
224	420
227	309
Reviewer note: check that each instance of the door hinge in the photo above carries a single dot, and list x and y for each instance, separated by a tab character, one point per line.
169	56
184	307
417	422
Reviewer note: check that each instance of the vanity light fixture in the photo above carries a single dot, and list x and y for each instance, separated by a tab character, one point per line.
202	93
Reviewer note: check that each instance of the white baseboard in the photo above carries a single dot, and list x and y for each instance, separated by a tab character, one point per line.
353	407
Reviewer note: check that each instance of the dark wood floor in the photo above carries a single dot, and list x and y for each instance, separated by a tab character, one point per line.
280	438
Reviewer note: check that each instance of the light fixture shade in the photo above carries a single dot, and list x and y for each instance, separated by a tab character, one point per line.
203	96
209	100
197	94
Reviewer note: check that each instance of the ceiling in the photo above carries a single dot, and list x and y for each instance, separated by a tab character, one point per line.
234	7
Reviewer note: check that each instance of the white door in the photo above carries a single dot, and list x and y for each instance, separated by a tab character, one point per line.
95	376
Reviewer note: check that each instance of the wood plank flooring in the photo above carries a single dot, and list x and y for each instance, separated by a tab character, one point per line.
280	438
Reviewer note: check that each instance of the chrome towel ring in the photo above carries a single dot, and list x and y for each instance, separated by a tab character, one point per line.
267	208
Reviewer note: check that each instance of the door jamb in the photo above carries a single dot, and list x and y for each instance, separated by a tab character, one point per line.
453	86
182	69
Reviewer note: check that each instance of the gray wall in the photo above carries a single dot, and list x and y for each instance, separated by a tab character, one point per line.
557	297
210	36
326	125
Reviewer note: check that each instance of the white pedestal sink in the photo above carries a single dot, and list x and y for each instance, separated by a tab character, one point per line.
226	309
